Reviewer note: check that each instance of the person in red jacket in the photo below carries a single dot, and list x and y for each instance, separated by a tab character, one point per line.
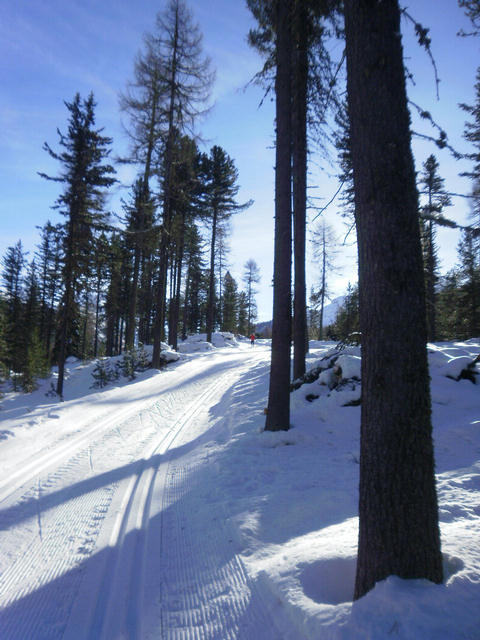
252	339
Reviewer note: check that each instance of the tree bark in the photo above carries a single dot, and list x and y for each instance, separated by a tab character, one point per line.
299	157
211	286
398	511
278	412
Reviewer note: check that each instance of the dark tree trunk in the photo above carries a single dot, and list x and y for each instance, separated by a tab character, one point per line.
176	300
430	289
211	285
399	531
132	302
278	412
300	73
324	285
159	326
97	315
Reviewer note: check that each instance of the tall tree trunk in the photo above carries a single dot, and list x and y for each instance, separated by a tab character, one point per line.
97	315
399	531
67	310
431	297
299	156
278	412
324	284
132	302
211	284
159	325
176	300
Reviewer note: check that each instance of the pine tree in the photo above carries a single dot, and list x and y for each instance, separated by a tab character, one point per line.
229	304
12	279
450	314
251	277
188	80
468	252
242	322
437	199
398	512
85	176
194	281
472	134
140	236
218	204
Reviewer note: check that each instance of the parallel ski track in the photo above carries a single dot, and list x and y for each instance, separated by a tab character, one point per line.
114	611
51	457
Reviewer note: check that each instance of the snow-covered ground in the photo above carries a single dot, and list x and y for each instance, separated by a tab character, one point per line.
158	508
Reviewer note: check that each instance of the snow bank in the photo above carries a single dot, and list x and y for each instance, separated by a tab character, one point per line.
198	342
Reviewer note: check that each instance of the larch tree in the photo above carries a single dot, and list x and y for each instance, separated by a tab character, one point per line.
398	524
311	80
85	175
188	78
324	252
251	277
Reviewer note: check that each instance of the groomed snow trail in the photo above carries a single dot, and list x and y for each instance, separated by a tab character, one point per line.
107	529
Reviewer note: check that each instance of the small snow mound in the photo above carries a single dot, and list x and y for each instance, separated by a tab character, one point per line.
451	566
329	581
454	367
194	346
224	339
349	366
167	355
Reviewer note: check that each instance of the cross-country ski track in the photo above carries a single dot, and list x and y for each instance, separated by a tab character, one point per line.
108	524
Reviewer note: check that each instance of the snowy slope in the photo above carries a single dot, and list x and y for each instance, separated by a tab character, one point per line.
159	508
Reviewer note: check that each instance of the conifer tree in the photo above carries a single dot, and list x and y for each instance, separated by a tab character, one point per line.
278	410
472	134
398	512
324	252
251	277
85	175
218	203
242	322
470	282
194	281
229	304
188	78
12	278
139	218
437	199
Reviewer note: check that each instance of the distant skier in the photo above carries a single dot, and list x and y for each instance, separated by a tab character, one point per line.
252	339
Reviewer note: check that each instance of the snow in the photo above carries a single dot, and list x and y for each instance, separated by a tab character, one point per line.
158	507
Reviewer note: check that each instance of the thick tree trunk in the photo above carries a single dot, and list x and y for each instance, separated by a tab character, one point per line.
300	339
399	531
278	412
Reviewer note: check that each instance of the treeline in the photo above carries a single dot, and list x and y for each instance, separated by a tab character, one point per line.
100	283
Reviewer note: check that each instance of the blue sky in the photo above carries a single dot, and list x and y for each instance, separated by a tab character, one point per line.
50	49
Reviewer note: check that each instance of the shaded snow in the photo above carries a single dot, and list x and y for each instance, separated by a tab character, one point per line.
281	505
